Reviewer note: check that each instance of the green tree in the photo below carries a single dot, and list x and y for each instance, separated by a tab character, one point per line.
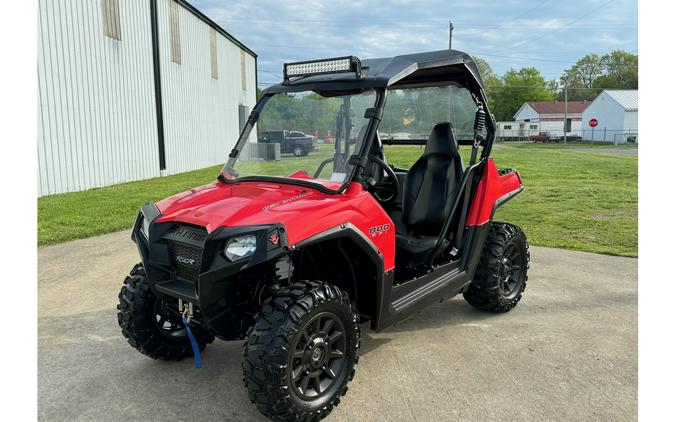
581	77
592	73
620	71
517	87
490	79
484	68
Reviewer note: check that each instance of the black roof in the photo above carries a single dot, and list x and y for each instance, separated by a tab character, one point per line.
409	69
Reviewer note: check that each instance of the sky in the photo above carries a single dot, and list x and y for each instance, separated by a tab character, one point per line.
548	34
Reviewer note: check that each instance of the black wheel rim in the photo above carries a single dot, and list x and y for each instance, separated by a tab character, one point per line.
168	320
511	271
318	358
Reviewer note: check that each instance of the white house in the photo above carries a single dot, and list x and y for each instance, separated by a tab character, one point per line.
550	117
615	115
133	89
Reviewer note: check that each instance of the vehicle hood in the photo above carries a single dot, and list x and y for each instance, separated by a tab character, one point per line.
302	210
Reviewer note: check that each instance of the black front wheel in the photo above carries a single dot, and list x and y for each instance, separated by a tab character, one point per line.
152	324
301	352
501	275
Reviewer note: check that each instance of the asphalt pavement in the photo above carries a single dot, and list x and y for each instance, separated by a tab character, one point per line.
567	352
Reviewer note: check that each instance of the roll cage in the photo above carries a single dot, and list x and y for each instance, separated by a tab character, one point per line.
429	69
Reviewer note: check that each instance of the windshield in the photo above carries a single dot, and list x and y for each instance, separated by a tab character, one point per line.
305	136
411	113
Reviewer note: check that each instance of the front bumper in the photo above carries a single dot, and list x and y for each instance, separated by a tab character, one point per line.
186	262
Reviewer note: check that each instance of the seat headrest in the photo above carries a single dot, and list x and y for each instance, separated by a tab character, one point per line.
442	141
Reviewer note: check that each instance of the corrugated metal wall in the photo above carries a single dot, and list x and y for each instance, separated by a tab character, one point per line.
97	122
96	116
201	121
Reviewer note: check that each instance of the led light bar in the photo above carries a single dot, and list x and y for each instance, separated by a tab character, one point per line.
320	67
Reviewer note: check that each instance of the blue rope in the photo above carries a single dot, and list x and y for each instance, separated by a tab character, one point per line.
195	346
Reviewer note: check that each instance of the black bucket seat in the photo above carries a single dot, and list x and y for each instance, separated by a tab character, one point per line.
429	189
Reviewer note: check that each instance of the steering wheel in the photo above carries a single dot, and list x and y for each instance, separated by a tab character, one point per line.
388	189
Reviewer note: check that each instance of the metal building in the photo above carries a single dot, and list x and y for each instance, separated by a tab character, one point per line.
612	117
133	89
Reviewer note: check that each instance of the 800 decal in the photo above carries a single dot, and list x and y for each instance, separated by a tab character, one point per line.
379	230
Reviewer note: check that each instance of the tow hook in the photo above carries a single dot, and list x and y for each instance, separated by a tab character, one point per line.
186	309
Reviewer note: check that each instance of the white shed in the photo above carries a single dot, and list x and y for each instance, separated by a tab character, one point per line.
133	89
615	113
550	117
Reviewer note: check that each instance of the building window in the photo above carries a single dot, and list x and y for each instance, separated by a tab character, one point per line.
533	126
174	29
214	54
507	127
111	19
243	70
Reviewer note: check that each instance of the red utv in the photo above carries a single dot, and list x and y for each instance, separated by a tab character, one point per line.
294	255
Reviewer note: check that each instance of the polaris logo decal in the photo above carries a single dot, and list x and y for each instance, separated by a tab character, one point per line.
379	230
185	261
188	234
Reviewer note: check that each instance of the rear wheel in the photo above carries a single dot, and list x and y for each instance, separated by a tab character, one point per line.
501	276
298	151
152	324
301	351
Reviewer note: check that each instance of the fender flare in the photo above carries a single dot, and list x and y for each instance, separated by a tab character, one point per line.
350	231
503	200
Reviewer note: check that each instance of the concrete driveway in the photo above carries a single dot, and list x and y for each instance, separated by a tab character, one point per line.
567	352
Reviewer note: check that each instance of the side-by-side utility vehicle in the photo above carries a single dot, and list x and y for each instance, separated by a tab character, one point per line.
293	256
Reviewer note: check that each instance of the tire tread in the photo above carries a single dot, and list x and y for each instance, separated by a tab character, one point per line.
133	310
265	352
483	292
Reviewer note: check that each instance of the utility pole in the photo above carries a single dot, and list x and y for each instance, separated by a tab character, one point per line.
565	121
451	27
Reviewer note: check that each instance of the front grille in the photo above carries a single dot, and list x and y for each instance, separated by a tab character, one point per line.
187	260
186	245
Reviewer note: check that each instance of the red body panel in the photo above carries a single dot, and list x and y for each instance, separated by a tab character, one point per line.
303	211
491	188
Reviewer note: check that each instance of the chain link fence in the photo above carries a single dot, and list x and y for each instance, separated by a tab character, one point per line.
506	133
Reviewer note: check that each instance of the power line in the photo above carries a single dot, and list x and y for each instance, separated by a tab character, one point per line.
564	27
528	11
427	23
478	53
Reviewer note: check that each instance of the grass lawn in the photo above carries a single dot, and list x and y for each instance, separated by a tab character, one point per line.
573	200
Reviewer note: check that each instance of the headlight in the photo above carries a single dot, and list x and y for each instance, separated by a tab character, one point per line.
240	247
145	227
